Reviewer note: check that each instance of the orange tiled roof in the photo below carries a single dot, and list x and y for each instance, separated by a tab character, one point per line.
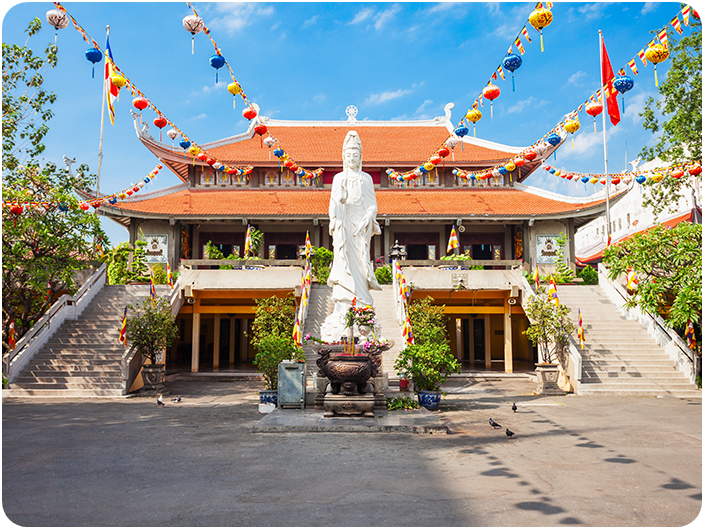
314	202
383	146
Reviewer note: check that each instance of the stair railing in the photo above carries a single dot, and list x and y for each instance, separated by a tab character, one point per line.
65	308
684	358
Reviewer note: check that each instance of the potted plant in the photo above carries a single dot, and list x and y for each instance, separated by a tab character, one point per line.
272	349
428	365
151	329
549	330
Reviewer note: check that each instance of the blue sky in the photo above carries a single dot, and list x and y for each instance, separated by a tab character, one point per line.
311	60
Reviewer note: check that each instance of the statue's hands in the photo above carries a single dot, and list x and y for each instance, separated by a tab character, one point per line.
363	226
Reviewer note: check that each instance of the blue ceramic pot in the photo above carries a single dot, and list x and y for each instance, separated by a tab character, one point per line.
269	397
430	400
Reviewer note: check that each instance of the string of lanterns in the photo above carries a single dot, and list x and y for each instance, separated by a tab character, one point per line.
675	171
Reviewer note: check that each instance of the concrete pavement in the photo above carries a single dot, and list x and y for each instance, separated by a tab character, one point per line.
591	461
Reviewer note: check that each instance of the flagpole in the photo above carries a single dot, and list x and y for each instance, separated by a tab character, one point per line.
102	123
603	119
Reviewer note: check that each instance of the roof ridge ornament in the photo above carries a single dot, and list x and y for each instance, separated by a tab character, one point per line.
351	112
448	111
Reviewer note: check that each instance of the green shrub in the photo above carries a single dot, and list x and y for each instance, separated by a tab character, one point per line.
590	276
118	268
428	322
273	316
159	274
151	328
273	349
321	262
428	365
383	275
401	403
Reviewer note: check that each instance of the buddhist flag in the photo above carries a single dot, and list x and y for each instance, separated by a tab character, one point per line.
676	24
685	15
501	73
641	55
48	289
536	278
111	90
453	243
607	79
662	37
552	292
11	336
691	337
152	288
631	278
308	246
519	45
247	242
632	65
524	32
580	329
169	277
407	331
123	328
297	334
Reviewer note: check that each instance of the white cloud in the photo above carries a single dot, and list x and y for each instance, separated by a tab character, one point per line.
525	103
587	145
422	107
236	16
202	115
591	11
363	15
447	6
494	8
320	98
386	16
276	25
575	78
634	105
310	22
648	7
377	99
208	89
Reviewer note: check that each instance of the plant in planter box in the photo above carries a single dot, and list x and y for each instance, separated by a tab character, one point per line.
151	329
271	351
428	365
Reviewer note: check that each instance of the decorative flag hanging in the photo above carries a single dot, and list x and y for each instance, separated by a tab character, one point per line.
408	331
524	32
308	246
519	45
580	329
676	24
536	278
152	288
685	15
631	278
453	243
552	292
11	336
607	76
169	277
297	334
641	55
633	67
123	328
110	89
247	241
691	337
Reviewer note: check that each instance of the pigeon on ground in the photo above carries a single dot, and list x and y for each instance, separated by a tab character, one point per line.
159	402
494	424
509	433
514	408
177	399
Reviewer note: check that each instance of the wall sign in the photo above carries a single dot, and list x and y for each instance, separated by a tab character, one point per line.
157	247
546	248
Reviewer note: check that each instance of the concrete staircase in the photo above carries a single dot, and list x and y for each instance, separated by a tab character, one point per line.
619	356
83	357
321	305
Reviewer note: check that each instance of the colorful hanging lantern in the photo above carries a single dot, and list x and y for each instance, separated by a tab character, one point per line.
269	142
640	179
616	180
235	89
694	169
193	151
193	24
112	200
553	139
623	84
250	112
572	126
210	161
202	156
16	209
656	54
594	180
185	144
58	19
519	161
160	122
217	61
94	55
677	174
461	130
444	152
118	81
260	129
452	142
140	103
84	206
474	115
122	195
279	152
530	155
512	62
539	19
435	159
491	92
658	177
594	109
502	170
172	133
428	166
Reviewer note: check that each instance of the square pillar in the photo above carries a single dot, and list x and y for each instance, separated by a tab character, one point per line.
232	341
487	341
458	338
216	342
471	340
195	343
508	339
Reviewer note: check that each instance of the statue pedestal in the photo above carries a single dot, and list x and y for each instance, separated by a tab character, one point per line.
333	328
352	405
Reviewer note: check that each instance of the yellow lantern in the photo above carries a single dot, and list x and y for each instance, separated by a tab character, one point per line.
510	166
474	115
572	126
234	88
655	54
118	81
558	172
539	19
658	177
594	180
428	166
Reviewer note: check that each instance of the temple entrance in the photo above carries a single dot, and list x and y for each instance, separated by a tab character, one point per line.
286	251
419	246
481	252
478	338
417	251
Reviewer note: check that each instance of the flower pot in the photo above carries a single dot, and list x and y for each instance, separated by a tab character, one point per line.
403	384
268	400
153	377
430	400
547	379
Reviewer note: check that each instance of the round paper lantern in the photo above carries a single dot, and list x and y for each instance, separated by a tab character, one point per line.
269	142
495	172
193	150
193	24
540	148
594	180
553	139
172	133
16	209
572	125
184	143
552	170
260	129
677	174
585	179
250	112
491	92
289	163
452	142
656	54
502	170
623	84
118	81
210	161
640	179
694	169
94	55
539	19
658	177
422	169
461	130
530	155
520	162
474	115
512	62
202	156
569	176
123	196
217	61
235	89
435	159
160	122
278	152
84	206
510	166
428	166
140	103
112	200
444	152
130	192
594	109
57	18
616	180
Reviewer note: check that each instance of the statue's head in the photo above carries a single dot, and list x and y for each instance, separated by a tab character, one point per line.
352	151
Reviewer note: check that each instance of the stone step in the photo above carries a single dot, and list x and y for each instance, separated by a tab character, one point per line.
640	381
72	371
73	362
89	342
69	385
621	354
65	393
632	371
69	380
618	364
621	392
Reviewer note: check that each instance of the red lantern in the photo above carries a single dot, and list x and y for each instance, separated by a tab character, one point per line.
444	151
260	129
677	174
140	103
16	209
160	122
249	112
530	155
602	181
695	169
435	160
294	168
616	180
96	203
84	206
202	156
159	167
135	188
491	92
210	161
289	163
570	176
520	162
594	109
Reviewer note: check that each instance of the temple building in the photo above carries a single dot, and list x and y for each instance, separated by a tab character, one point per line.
502	224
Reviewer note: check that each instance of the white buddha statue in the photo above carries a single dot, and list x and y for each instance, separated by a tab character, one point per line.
352	224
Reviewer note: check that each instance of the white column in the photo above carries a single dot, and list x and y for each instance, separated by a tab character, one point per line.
195	346
216	342
232	341
508	339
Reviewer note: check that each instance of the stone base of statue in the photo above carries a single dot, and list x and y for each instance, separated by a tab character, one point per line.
349	405
333	328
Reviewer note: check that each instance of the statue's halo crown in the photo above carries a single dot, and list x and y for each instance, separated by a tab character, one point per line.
352	141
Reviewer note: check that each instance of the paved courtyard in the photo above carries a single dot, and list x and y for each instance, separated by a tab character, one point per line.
590	461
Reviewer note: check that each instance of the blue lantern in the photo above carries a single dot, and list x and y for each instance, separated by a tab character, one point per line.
112	200
63	207
623	84
94	55
185	144
461	130
503	170
585	179
512	62
472	176
422	169
217	62
553	139
640	179
279	152
147	179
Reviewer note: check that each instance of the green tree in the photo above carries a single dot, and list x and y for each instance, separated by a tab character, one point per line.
550	326
320	263
46	236
151	327
668	263
428	322
676	116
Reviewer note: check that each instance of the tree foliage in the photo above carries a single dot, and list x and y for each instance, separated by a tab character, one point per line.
52	237
151	328
550	326
428	322
676	116
668	263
